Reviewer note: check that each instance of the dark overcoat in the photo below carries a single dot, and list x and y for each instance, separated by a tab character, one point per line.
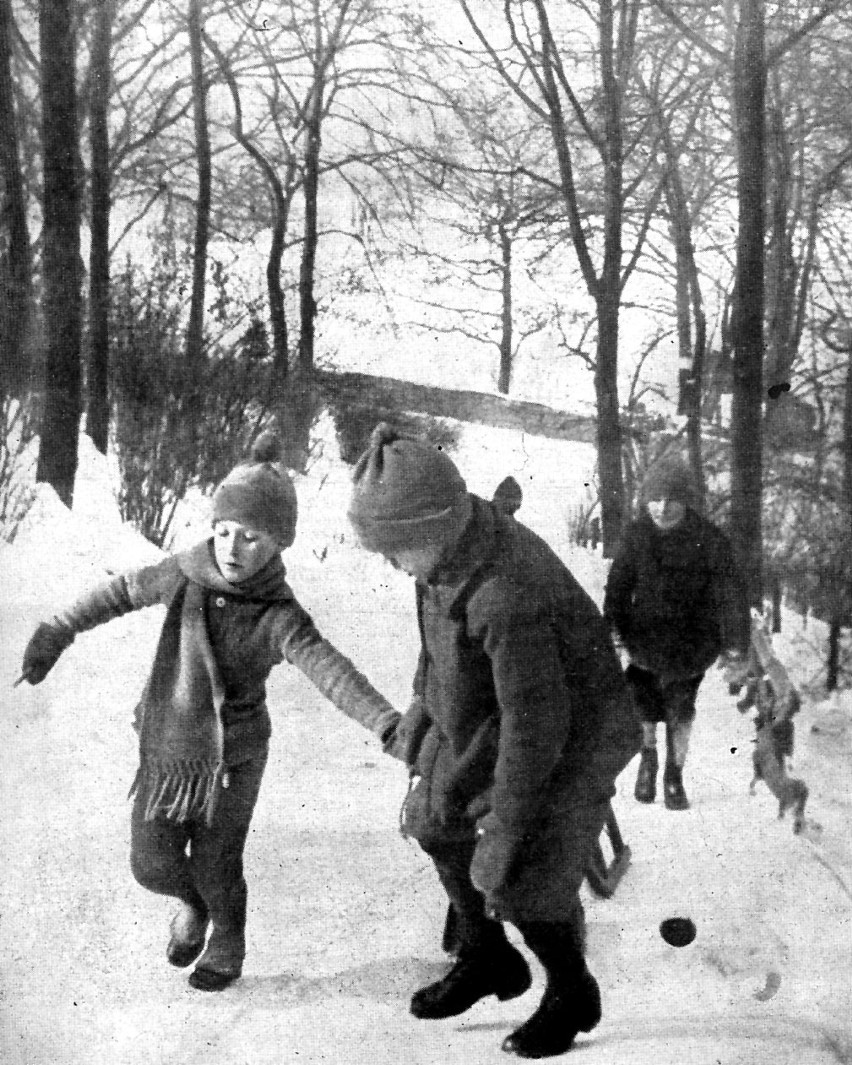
674	597
521	719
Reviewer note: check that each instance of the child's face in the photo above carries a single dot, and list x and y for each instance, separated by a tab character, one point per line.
242	551
417	562
666	513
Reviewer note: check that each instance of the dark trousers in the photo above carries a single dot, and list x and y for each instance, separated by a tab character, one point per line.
558	945
200	864
672	702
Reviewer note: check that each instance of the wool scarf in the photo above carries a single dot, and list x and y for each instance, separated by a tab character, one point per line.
181	736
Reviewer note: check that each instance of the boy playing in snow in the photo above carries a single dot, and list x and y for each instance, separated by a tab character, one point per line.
202	719
519	725
673	599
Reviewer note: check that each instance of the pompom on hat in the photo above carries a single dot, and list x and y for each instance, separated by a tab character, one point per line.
259	493
406	494
670	478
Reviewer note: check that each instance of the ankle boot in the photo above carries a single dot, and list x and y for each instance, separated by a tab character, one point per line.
675	796
222	963
563	1012
646	778
188	933
479	972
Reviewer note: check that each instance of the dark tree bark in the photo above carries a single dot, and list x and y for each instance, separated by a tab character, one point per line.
57	462
307	301
195	325
281	194
747	407
691	320
97	381
504	377
15	260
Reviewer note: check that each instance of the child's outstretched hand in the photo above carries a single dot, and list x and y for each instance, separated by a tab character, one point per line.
42	653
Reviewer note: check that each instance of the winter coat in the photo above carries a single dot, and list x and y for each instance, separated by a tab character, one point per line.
521	720
674	597
248	637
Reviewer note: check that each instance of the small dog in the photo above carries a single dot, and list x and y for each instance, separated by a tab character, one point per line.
773	745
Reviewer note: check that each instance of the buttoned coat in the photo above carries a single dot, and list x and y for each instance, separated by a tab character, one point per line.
521	720
675	598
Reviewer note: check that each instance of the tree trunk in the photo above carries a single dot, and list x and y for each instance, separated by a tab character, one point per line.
97	412
832	676
57	462
281	200
16	260
746	430
277	312
690	309
307	303
195	325
610	473
505	375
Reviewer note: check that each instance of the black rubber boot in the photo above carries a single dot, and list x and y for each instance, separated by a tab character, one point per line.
572	1000
564	1011
479	972
646	778
675	796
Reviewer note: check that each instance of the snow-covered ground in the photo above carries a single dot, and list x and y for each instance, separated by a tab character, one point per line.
345	916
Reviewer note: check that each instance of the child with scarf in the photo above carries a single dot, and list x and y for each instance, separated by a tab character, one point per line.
202	720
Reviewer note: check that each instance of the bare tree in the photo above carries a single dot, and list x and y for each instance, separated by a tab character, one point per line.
97	378
601	125
195	324
15	258
57	462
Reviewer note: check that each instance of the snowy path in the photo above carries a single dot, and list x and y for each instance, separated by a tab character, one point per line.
345	915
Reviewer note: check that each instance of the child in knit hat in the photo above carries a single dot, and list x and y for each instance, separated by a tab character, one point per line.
519	724
202	719
674	600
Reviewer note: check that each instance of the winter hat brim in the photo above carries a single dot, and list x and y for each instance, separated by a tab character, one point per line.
669	479
406	494
259	494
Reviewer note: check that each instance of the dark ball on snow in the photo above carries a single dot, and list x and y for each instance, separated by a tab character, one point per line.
678	931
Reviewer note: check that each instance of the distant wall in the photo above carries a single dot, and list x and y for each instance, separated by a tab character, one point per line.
387	397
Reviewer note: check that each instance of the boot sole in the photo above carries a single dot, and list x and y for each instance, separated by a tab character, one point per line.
184	955
209	980
503	994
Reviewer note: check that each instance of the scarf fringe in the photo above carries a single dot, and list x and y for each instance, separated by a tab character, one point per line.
179	791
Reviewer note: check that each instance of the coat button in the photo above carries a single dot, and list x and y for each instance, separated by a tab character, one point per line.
220	601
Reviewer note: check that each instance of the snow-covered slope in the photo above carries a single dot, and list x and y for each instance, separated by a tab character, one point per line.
345	916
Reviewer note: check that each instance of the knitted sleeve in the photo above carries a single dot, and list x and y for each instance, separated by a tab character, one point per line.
112	598
335	676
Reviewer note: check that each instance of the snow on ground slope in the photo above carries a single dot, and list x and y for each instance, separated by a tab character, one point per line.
345	915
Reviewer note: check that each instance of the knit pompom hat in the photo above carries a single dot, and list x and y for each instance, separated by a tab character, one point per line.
259	493
407	494
670	478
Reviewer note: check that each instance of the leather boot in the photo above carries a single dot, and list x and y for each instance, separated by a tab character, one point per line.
479	972
646	778
675	796
188	933
564	1011
222	963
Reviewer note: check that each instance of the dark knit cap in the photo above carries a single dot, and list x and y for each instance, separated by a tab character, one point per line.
670	478
407	494
259	493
